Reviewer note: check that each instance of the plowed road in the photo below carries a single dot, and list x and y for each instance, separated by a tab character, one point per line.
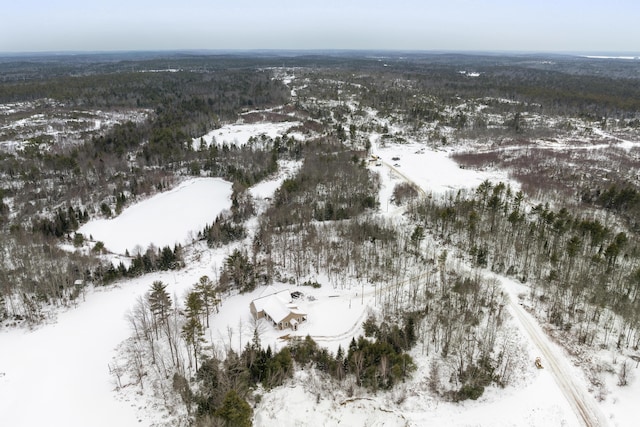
580	401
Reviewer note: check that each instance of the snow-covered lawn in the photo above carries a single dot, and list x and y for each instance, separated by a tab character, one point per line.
164	219
334	317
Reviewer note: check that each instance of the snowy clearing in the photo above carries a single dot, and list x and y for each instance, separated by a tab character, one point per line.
167	218
240	133
433	170
266	189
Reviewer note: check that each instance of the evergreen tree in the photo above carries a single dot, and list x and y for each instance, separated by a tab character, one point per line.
235	411
239	272
159	303
192	331
208	295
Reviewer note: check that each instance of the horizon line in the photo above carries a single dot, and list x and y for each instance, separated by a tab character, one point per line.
203	51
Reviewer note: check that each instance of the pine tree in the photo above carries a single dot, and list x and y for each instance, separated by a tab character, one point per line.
208	295
235	411
159	303
192	331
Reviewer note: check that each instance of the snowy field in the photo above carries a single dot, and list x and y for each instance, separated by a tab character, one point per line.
433	170
167	218
240	133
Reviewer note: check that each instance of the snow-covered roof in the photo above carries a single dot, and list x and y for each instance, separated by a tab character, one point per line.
276	304
276	309
268	291
267	295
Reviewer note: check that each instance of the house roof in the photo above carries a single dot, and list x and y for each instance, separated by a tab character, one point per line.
276	304
276	309
267	295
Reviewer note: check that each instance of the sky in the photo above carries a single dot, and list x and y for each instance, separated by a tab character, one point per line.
460	25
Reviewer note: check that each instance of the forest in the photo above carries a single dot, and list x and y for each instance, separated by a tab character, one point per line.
568	232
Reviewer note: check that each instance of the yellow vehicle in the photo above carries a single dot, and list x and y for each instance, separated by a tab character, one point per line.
539	363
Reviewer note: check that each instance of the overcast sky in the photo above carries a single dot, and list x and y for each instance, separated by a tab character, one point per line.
513	25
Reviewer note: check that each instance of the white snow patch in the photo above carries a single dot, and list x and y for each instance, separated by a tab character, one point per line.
266	189
621	405
164	219
59	374
240	133
435	171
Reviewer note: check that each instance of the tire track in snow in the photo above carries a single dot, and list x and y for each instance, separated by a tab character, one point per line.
581	403
344	335
414	184
349	333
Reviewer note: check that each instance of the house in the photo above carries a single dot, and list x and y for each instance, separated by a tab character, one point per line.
277	307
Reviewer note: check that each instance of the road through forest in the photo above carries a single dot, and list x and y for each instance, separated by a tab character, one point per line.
583	404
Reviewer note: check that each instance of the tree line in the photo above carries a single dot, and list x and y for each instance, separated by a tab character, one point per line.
582	272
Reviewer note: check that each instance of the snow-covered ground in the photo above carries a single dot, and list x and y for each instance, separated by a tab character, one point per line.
536	402
49	120
240	133
174	216
433	170
59	374
266	189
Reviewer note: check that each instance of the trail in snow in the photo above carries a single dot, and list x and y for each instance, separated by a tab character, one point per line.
421	190
358	323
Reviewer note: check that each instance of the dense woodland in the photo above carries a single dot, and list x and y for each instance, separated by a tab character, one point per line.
570	234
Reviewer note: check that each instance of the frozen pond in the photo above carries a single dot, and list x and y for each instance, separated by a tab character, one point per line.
164	219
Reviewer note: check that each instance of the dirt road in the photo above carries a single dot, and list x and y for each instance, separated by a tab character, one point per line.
555	361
